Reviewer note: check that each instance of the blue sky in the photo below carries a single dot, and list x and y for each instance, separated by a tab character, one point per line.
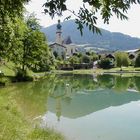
130	27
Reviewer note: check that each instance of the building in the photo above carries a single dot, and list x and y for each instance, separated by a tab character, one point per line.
58	49
62	48
133	53
59	33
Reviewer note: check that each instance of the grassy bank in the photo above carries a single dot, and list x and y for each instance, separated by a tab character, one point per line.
125	70
14	126
10	77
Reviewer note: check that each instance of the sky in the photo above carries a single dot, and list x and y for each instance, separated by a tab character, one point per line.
130	27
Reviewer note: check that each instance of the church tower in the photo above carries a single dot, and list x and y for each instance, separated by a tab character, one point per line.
58	33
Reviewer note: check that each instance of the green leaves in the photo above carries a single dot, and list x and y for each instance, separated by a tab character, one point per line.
21	41
87	16
122	59
53	7
137	62
9	10
32	22
27	46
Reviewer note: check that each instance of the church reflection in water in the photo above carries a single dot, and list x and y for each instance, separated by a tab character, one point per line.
75	96
78	105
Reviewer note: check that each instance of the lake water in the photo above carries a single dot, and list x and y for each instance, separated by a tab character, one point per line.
84	107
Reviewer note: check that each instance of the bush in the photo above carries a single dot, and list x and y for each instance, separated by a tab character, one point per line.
105	63
74	60
122	59
22	76
4	81
85	59
55	54
137	62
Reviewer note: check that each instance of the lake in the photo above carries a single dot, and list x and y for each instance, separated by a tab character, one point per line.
83	107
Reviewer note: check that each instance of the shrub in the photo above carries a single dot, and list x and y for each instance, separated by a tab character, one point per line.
85	59
74	60
22	76
55	54
122	59
105	63
137	62
4	81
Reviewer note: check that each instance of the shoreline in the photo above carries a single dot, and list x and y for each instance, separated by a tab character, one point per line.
7	80
98	71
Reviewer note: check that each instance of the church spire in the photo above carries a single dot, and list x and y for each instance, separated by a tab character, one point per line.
58	33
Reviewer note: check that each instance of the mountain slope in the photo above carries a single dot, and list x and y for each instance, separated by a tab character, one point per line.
108	40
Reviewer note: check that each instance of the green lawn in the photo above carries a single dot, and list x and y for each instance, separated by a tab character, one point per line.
13	125
8	69
100	71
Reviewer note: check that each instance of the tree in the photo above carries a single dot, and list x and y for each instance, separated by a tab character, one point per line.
11	8
16	43
35	50
137	61
9	11
89	9
55	54
85	59
29	49
105	63
122	59
74	60
6	36
94	56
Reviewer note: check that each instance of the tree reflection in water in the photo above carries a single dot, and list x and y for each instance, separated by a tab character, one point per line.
75	95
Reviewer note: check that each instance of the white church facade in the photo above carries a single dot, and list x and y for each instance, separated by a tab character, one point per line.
59	47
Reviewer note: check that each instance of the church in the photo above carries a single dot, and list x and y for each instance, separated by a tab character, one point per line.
62	48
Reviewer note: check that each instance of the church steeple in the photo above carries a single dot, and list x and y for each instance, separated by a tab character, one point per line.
58	33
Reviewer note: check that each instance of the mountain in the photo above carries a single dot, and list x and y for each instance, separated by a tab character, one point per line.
108	40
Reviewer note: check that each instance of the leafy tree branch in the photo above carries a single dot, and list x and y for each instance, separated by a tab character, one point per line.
87	15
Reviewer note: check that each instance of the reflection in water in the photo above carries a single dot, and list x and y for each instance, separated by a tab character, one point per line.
99	103
79	95
85	104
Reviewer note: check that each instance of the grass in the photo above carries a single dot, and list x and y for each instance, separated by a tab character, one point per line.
8	69
13	125
101	71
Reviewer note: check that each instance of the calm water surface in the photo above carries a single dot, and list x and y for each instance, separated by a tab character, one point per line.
84	107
